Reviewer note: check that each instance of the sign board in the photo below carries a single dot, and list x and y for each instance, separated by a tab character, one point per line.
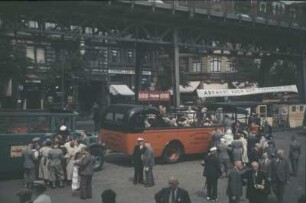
16	151
202	93
154	96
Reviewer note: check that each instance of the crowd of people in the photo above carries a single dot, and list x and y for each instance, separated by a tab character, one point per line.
247	158
58	162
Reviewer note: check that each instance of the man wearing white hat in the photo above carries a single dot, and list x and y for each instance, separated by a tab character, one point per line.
212	172
137	161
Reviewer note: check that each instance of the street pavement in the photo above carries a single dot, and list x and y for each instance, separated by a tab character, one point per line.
117	174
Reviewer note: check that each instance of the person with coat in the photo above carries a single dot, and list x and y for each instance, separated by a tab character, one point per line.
294	154
28	166
265	166
172	194
86	171
224	157
279	175
256	184
216	138
69	156
139	150
212	172
243	140
148	163
44	172
234	186
237	150
56	157
254	155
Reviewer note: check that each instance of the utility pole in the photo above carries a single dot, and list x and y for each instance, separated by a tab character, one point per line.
176	92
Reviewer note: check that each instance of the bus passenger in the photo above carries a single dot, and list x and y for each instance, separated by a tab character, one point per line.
137	161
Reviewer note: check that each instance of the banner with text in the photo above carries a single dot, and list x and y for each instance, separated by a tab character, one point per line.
154	96
202	93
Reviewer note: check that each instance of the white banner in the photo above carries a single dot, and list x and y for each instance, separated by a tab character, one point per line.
202	93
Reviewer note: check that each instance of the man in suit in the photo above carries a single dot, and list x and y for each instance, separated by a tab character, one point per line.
172	194
294	154
148	163
86	171
212	172
234	186
137	160
256	184
279	175
56	157
224	156
28	166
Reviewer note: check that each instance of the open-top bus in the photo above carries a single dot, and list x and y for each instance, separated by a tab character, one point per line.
123	124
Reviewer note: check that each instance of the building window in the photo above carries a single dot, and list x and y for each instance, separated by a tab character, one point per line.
263	7
130	56
292	13
88	30
50	26
32	24
114	56
229	67
215	64
36	54
196	67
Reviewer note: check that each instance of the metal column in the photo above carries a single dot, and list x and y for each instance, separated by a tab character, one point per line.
176	88
138	71
301	70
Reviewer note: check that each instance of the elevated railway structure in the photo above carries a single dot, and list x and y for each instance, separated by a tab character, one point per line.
240	28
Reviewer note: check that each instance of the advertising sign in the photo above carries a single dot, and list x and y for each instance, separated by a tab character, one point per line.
202	93
154	96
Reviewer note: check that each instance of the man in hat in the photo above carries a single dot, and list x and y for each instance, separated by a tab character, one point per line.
28	166
137	159
56	157
39	190
25	195
212	172
172	194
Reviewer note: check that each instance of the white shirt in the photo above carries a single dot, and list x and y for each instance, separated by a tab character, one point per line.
43	198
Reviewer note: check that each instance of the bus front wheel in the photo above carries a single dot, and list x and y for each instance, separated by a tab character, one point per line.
172	153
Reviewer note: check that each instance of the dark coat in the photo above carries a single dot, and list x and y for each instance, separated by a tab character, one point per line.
234	186
137	154
163	196
294	150
253	193
86	166
254	155
212	166
280	170
28	159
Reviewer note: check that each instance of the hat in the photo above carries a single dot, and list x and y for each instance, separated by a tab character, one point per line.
25	193
213	149
140	139
63	128
36	139
40	185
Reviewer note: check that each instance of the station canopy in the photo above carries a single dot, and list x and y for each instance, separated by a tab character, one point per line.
122	90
